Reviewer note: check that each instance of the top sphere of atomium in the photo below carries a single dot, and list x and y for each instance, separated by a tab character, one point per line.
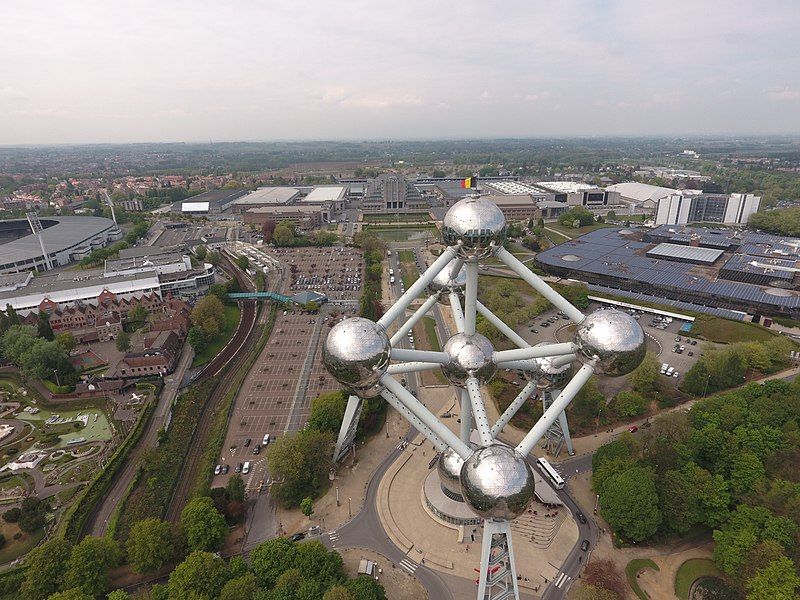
497	483
478	224
444	284
613	339
356	354
468	353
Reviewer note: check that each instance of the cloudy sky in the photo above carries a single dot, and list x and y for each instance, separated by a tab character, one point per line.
194	70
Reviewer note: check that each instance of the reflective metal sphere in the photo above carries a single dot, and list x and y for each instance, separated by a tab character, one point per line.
497	483
546	371
449	469
356	354
612	337
476	222
468	353
443	283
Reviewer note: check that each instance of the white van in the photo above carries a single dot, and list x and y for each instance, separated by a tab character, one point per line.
670	371
246	468
664	368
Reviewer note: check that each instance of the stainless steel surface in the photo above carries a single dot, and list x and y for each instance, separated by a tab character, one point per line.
356	353
449	469
613	339
468	353
497	483
478	224
444	284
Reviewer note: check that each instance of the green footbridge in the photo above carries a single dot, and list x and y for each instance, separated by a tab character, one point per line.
259	296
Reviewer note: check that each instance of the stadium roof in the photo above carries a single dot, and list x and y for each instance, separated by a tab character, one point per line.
692	254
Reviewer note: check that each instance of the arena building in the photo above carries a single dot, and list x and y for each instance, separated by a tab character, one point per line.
65	239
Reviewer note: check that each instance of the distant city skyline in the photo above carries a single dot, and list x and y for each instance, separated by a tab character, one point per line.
89	71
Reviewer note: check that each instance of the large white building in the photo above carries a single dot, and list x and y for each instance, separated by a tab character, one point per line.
682	208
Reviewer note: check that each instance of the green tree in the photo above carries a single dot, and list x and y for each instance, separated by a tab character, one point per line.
235	489
592	592
628	404
119	595
209	315
243	262
43	328
67	341
150	545
338	592
300	462
201	575
611	216
71	594
138	314
240	588
46	567
318	564
89	563
203	524
365	588
200	252
327	411
746	470
630	503
283	234
219	290
271	559
307	506
679	502
123	342
778	581
644	379
197	339
213	257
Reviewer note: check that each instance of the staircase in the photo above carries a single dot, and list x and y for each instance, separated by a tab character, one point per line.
539	529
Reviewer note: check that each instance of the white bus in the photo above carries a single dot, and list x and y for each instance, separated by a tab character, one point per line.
550	473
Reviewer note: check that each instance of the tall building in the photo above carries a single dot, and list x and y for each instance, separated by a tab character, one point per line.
392	193
680	209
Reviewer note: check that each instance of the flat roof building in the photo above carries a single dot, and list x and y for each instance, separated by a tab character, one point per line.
266	196
391	193
305	217
727	209
689	254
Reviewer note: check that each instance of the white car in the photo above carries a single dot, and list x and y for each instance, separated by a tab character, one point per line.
246	468
265	441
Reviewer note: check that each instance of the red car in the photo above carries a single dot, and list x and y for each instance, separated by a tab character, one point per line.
633	428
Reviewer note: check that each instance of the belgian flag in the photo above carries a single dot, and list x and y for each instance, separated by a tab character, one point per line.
469	182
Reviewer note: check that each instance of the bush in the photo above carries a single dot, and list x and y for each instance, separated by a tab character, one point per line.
12	515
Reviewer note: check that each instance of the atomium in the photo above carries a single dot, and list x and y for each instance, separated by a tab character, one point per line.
478	224
444	284
612	340
356	352
497	483
469	355
449	469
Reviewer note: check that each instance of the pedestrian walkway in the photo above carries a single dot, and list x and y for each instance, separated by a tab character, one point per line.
409	565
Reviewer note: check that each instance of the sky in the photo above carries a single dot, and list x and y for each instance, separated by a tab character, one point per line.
80	71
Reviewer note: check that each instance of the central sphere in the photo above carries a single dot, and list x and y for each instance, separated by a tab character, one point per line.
468	353
356	354
614	339
478	224
443	283
497	483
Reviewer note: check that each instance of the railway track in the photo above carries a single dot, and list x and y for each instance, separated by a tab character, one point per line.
232	357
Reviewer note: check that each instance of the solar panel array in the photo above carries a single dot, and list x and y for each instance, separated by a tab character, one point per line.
685	253
606	253
767	268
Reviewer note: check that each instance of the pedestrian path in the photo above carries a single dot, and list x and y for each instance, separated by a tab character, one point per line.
409	565
333	536
562	581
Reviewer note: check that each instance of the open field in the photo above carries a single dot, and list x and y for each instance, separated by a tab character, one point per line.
232	312
724	331
573	233
633	568
402	234
692	570
398	218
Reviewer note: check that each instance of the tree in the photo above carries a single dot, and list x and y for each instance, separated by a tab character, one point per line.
316	563
138	314
300	462
604	574
679	501
283	234
778	581
243	262
201	575
235	488
119	595
271	559
203	524
240	588
746	470
307	506
200	252
592	592
630	503
88	564
123	341
149	545
209	315
219	290
197	339
32	515
628	404
213	257
644	379
338	592
43	328
268	230
365	588
46	567
72	594
67	341
611	216
327	411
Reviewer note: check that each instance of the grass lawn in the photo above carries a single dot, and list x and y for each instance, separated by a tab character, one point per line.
232	312
16	548
573	233
430	332
555	236
692	570
724	331
402	234
632	568
408	267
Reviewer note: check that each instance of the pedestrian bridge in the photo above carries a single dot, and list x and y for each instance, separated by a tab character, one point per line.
259	296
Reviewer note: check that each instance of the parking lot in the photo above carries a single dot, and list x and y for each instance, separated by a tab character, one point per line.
337	272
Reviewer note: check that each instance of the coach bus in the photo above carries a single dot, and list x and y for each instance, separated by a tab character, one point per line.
550	473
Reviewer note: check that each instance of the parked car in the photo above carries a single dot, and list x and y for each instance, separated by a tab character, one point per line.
238	468
217	469
581	518
297	537
585	545
247	442
265	441
225	469
246	468
256	449
633	428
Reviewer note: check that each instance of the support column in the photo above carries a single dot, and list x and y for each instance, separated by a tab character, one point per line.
347	431
471	297
498	578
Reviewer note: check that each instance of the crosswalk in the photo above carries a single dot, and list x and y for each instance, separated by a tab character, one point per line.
409	565
333	536
562	580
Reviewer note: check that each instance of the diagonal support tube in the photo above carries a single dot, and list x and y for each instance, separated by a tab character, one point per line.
413	420
414	319
512	409
513	263
439	358
455	267
555	409
399	307
466	416
502	327
471	297
411	367
458	314
501	356
426	416
479	411
530	364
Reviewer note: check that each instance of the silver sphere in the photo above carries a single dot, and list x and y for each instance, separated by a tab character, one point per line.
546	371
614	339
476	222
356	354
468	353
449	469
444	284
497	483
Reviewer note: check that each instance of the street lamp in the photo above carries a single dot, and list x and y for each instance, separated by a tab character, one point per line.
349	509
